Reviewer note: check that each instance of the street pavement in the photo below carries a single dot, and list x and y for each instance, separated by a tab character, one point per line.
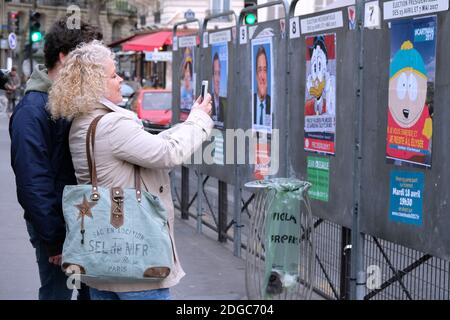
212	272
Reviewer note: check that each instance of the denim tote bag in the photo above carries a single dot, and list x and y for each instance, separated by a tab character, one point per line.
114	233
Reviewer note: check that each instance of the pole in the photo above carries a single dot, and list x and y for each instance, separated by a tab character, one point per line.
2	23
199	201
184	193
223	211
142	68
30	47
30	52
358	278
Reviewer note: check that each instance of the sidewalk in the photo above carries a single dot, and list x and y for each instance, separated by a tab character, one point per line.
212	272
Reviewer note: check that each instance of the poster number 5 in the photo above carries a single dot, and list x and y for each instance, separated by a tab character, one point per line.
243	35
294	27
205	40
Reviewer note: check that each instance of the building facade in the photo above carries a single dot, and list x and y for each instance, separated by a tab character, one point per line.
117	19
165	13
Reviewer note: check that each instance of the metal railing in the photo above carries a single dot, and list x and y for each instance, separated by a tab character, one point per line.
404	273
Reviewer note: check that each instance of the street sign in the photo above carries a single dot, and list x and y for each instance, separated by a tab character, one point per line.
12	40
158	56
189	15
4	44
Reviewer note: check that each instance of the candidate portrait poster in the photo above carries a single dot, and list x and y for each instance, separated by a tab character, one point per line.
187	80
411	91
320	95
219	79
262	85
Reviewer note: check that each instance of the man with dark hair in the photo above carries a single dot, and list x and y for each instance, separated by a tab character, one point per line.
261	100
59	39
218	105
40	158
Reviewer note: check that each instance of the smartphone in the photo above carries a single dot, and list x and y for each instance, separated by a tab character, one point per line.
204	89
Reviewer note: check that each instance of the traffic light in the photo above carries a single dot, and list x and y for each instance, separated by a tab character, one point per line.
13	21
35	26
251	16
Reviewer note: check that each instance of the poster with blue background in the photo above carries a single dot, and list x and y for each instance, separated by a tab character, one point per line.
406	197
262	75
219	58
411	91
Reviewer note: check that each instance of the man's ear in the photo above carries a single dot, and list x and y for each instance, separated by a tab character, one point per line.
62	57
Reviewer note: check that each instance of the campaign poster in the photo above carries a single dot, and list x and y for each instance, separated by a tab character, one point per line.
318	172
406	197
320	96
262	159
187	82
262	90
411	91
219	79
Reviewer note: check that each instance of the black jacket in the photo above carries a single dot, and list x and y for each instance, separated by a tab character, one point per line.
40	158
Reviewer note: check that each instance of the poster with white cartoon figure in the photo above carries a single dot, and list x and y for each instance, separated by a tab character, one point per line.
320	96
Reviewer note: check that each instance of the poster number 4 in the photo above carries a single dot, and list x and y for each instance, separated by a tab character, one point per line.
243	35
294	27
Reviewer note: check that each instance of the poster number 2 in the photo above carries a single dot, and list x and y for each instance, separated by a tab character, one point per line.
294	28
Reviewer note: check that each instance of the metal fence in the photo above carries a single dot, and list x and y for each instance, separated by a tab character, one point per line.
345	258
406	274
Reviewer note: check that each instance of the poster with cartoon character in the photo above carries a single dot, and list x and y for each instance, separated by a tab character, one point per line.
411	91
320	96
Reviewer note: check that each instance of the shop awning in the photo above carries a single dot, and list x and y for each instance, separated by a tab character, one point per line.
148	42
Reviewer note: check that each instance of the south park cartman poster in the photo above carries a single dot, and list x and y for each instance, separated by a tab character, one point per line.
411	91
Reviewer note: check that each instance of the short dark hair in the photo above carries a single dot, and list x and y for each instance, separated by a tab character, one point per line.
216	57
60	39
261	51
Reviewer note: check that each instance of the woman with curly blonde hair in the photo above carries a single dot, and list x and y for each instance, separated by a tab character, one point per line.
88	86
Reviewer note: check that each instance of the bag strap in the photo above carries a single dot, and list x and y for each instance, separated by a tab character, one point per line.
90	145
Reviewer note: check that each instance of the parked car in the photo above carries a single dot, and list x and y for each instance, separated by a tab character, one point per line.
153	107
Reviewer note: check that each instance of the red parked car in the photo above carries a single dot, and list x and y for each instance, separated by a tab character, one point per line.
154	108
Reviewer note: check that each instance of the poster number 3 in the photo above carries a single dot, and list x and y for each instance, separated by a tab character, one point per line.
243	35
294	27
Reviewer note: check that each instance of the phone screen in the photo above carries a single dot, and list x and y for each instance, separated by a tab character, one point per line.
204	89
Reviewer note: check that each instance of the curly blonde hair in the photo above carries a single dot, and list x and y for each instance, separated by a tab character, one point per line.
81	82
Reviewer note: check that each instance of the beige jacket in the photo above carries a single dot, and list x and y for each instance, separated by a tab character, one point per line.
120	142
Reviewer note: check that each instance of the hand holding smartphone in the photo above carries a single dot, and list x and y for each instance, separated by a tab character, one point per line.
204	90
201	103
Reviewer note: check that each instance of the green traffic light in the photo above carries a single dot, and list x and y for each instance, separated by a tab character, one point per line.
36	36
250	18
